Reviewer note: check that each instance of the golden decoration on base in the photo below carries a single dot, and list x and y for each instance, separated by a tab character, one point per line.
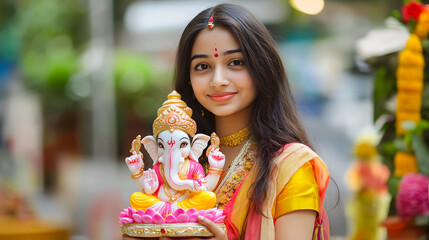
168	230
236	138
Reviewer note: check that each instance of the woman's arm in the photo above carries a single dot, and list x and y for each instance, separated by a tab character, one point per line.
296	225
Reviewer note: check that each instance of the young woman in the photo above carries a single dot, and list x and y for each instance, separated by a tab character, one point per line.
229	72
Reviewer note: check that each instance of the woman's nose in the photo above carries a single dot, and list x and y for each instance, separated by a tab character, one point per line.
219	78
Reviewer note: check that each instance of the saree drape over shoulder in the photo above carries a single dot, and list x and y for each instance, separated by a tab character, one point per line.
243	222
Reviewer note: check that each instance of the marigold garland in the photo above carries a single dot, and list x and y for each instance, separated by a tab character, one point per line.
405	163
409	98
422	28
409	73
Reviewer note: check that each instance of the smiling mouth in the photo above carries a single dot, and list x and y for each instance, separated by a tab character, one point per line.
221	97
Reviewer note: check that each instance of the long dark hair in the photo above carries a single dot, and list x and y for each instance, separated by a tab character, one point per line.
274	119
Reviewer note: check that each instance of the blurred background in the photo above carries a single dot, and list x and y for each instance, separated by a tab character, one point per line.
80	79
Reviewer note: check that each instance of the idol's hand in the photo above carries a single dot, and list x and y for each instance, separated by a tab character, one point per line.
134	163
219	234
199	186
150	180
216	158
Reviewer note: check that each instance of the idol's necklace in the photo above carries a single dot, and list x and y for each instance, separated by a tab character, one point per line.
236	138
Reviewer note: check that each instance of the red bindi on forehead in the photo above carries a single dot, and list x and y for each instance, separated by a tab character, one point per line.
216	55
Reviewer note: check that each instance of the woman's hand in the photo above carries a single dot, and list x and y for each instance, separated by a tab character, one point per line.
219	234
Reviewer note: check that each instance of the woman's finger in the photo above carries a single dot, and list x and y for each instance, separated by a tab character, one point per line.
217	231
178	238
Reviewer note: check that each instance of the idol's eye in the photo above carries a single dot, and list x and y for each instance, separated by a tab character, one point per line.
160	145
201	67
236	62
183	144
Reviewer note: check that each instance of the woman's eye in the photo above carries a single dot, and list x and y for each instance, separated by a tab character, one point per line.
201	67
160	145
183	144
236	62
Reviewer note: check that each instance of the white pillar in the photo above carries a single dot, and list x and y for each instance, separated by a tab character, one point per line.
103	97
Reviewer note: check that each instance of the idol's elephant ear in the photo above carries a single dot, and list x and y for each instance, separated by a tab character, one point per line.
151	146
199	143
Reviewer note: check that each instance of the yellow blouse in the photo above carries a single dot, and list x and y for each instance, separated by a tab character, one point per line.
301	192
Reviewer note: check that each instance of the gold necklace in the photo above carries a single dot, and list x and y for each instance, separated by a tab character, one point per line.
236	138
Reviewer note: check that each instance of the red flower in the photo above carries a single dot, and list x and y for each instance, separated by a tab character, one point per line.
411	10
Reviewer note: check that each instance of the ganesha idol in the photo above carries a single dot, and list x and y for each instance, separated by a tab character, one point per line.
175	191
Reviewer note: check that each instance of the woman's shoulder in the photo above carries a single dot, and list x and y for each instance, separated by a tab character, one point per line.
295	155
296	152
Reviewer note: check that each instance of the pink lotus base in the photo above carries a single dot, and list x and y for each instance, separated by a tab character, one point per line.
130	215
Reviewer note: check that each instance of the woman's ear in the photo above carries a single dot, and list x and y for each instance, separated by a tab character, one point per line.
199	143
151	146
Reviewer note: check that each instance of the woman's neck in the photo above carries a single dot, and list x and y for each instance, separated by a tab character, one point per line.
227	125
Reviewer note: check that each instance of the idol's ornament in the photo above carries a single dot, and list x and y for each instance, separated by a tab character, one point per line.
176	191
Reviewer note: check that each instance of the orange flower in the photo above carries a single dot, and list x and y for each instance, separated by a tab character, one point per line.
405	163
409	101
414	44
409	84
409	73
411	58
405	116
422	28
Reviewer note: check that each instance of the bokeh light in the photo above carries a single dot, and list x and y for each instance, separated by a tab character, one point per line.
311	7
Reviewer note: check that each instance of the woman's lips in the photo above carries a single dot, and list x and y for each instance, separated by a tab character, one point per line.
221	97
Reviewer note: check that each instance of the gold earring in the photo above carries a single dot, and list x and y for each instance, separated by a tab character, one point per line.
202	112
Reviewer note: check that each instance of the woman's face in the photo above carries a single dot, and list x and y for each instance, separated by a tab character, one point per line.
219	75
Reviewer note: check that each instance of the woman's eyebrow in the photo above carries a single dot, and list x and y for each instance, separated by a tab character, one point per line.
199	56
232	51
225	53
